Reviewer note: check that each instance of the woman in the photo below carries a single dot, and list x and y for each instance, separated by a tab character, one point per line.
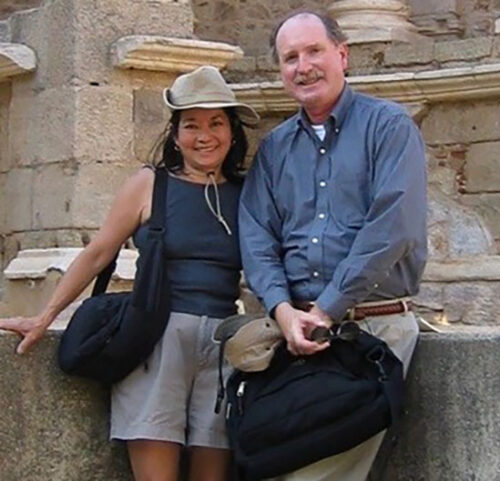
171	404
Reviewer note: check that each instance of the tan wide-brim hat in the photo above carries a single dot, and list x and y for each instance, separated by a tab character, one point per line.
251	341
205	88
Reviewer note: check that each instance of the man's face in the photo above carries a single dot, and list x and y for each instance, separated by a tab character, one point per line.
311	64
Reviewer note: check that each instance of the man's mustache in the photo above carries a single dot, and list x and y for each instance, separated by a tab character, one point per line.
308	78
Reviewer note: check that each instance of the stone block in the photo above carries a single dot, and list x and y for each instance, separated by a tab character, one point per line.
482	169
473	303
464	122
50	31
150	119
3	206
77	196
103	124
422	7
455	230
4	31
19	199
365	59
488	207
95	190
41	124
5	97
468	49
53	427
410	54
450	431
99	23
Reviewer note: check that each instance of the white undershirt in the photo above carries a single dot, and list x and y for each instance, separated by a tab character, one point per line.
320	131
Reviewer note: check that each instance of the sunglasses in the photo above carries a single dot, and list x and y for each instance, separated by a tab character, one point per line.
345	331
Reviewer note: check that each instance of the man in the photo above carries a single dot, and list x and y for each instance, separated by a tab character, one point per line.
333	212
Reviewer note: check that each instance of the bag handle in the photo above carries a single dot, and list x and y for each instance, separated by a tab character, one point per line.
156	226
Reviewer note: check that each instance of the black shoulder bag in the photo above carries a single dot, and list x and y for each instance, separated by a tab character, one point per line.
303	409
109	335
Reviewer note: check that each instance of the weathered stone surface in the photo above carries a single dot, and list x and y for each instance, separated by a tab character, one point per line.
455	230
19	197
48	117
52	426
411	54
7	7
471	48
150	119
464	122
451	431
55	427
103	124
70	195
5	96
459	269
472	303
4	31
482	167
168	54
488	206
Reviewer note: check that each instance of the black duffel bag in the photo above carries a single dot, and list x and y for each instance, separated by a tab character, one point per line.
110	334
303	409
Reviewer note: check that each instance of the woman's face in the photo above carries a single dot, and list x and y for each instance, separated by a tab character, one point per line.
204	139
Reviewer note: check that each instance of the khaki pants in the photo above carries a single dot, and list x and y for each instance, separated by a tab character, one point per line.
400	332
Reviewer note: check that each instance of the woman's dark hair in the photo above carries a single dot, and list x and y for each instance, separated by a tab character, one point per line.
171	157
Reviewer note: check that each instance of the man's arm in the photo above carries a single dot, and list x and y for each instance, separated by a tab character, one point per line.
261	251
395	223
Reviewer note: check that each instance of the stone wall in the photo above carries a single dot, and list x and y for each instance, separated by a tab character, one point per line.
55	427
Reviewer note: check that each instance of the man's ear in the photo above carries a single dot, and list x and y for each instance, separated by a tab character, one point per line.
344	55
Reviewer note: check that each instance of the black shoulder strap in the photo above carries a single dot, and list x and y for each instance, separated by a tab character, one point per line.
156	225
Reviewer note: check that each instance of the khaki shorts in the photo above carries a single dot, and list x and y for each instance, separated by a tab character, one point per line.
400	332
174	398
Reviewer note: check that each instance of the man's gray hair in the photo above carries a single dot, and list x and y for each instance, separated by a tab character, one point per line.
333	30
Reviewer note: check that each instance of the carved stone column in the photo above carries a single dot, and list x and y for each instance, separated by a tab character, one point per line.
366	21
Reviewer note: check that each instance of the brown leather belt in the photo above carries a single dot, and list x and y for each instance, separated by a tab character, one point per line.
361	312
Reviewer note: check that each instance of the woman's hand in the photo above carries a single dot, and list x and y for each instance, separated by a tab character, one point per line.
31	329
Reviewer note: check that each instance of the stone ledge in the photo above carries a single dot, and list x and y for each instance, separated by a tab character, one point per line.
55	427
465	269
37	263
175	55
445	85
15	59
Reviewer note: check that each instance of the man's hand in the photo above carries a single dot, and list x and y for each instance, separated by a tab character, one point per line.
297	326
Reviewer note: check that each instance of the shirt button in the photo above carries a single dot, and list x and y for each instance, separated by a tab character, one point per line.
375	286
315	274
321	216
322	183
322	150
314	240
337	130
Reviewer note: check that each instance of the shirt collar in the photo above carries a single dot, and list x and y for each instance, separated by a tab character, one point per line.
338	112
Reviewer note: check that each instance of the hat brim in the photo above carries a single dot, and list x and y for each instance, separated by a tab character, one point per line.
246	113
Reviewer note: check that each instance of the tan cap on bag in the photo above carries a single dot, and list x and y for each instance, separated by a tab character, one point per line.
251	341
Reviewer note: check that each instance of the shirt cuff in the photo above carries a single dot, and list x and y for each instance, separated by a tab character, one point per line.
274	297
334	303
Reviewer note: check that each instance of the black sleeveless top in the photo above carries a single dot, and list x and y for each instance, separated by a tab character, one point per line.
203	260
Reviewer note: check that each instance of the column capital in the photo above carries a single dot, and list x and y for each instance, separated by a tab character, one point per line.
366	21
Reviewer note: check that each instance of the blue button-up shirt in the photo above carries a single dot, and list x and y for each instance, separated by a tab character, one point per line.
338	221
